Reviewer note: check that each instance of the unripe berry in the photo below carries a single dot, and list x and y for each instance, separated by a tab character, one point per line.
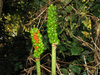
52	24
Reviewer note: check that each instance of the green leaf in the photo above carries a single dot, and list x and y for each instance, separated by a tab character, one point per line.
84	73
74	44
68	41
64	71
46	46
63	55
68	18
16	68
73	25
44	0
79	3
62	48
75	51
73	18
87	57
46	42
68	9
31	4
75	62
75	68
37	2
20	66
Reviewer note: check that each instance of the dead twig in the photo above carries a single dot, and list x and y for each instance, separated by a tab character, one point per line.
46	55
36	17
45	68
29	70
58	68
67	4
95	44
39	21
86	65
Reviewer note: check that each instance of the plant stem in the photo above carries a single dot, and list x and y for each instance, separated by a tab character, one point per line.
38	67
53	60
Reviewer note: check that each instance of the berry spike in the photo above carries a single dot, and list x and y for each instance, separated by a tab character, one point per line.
35	36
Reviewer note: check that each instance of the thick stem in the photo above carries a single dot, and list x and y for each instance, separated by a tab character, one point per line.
53	60
38	66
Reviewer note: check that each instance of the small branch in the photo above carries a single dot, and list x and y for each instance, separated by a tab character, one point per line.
36	17
39	21
45	55
87	44
95	44
29	70
86	65
58	69
45	68
41	26
75	10
67	4
76	64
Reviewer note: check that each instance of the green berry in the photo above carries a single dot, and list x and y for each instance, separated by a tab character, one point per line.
52	24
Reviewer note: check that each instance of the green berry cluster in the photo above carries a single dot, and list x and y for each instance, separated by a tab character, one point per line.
37	42
52	24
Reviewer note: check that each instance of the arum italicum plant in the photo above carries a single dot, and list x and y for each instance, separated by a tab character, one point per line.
38	46
52	34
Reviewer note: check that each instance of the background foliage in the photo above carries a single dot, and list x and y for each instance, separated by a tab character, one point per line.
78	31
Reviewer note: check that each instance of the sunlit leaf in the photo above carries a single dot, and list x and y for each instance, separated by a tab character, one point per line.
86	34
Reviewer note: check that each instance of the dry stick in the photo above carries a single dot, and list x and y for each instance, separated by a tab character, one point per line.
81	53
42	21
75	10
29	69
46	62
97	68
67	4
80	39
89	45
29	57
58	69
97	72
46	55
39	14
39	21
86	65
45	68
95	44
41	26
50	68
36	17
76	4
45	6
76	64
97	54
50	61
